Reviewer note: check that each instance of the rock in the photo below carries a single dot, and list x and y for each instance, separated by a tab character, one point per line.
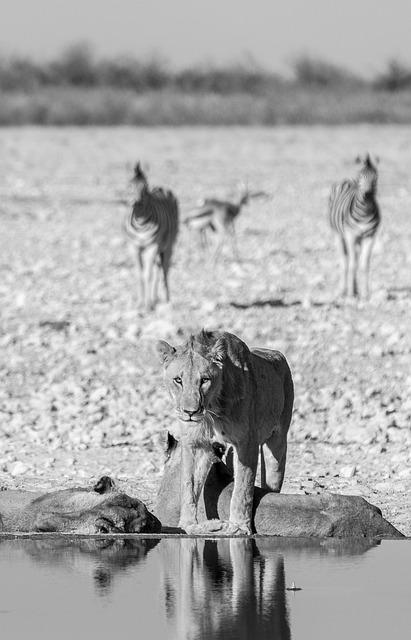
348	472
19	468
98	394
160	328
82	473
208	306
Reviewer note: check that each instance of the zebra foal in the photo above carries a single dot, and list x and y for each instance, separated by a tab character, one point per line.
354	215
152	227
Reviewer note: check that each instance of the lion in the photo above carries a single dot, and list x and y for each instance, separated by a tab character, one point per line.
98	509
224	392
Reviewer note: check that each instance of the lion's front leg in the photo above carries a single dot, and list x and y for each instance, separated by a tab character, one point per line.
196	461
245	467
241	505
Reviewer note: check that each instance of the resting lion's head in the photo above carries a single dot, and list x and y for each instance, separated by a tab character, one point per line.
204	374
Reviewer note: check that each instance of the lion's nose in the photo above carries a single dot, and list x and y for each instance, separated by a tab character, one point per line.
189	413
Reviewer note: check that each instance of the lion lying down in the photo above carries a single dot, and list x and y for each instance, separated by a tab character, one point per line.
99	509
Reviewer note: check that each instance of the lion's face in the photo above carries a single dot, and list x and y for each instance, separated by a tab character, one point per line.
193	380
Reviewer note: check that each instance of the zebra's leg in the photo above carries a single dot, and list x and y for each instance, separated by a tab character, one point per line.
150	257
165	265
358	254
342	251
140	270
352	268
365	260
154	280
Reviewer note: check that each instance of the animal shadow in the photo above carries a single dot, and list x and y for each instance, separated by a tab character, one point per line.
274	302
398	292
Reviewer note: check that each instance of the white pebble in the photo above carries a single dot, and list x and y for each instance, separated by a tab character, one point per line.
348	472
19	468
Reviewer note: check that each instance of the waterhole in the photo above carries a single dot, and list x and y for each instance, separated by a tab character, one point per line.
185	588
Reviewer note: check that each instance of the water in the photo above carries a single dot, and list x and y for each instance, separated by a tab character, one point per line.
182	588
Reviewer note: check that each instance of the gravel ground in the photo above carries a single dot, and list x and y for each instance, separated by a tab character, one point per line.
81	394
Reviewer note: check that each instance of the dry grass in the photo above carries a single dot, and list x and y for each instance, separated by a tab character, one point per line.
82	396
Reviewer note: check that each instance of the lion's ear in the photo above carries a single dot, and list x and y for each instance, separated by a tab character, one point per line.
164	351
219	351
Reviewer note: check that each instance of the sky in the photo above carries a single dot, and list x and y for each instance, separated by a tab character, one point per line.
357	34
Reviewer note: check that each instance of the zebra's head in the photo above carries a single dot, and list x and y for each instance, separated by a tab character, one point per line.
367	177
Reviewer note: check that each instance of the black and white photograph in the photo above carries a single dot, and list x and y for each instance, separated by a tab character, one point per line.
205	312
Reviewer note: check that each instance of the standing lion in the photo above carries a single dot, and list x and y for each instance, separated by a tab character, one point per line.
223	391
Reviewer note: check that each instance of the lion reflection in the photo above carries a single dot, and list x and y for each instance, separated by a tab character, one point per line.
217	587
101	559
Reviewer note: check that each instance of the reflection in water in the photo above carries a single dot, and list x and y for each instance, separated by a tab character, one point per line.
103	558
223	588
199	589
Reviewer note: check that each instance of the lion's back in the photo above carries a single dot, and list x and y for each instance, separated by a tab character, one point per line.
271	361
273	379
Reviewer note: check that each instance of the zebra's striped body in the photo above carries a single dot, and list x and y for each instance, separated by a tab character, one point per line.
355	216
153	219
152	227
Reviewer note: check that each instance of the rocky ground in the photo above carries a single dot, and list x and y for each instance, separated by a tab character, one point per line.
81	393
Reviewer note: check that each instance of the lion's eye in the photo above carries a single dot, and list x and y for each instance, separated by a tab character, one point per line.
178	380
205	380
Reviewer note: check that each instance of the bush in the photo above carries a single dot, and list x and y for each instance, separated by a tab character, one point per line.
309	71
395	78
76	67
128	73
235	79
18	74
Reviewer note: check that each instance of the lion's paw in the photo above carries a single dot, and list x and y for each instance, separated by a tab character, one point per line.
218	528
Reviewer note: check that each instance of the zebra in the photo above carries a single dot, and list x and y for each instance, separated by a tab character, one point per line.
354	215
152	227
218	216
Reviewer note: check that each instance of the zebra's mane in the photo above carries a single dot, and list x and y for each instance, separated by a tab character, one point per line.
139	178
